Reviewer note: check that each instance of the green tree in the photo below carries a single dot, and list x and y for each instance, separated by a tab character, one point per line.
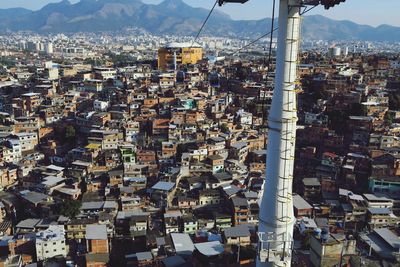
338	120
70	208
2	118
357	109
389	118
70	133
394	101
305	242
224	128
247	253
242	73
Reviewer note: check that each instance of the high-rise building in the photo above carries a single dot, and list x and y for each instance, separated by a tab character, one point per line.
346	51
33	46
23	45
175	54
49	48
334	51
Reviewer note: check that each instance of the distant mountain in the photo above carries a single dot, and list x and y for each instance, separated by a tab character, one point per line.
319	27
171	17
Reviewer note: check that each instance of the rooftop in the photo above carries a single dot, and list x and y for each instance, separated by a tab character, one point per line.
389	237
182	45
237	231
163	186
300	204
311	182
372	197
210	249
379	211
53	233
96	232
144	256
182	243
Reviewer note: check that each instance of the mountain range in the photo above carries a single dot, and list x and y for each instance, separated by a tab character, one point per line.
172	17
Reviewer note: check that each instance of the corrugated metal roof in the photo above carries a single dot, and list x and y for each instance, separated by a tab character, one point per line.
96	232
173	261
379	210
300	204
210	248
237	231
163	186
94	205
142	256
28	223
389	237
182	243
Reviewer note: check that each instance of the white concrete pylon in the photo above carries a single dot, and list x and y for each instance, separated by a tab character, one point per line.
276	218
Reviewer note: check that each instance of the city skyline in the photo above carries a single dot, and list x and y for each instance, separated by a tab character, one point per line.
368	12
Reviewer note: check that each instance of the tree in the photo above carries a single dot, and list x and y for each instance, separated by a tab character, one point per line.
306	240
338	121
224	128
394	101
357	109
2	119
389	118
70	133
94	61
70	208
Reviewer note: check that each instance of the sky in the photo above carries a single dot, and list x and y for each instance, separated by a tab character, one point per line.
370	12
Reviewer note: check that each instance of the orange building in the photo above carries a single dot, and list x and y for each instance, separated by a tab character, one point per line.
175	54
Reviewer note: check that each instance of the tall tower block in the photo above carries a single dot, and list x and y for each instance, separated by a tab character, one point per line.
276	218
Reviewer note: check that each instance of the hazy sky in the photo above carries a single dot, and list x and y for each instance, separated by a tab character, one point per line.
371	12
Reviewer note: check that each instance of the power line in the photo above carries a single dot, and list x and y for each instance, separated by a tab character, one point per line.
204	23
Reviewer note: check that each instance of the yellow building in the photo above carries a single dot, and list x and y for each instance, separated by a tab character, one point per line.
175	54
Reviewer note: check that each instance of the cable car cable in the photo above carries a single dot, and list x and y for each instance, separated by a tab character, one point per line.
252	42
269	61
264	35
307	10
204	23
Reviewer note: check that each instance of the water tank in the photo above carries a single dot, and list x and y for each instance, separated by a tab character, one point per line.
214	79
317	232
325	234
180	77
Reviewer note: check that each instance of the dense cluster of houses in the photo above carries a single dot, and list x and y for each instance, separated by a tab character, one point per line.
132	166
